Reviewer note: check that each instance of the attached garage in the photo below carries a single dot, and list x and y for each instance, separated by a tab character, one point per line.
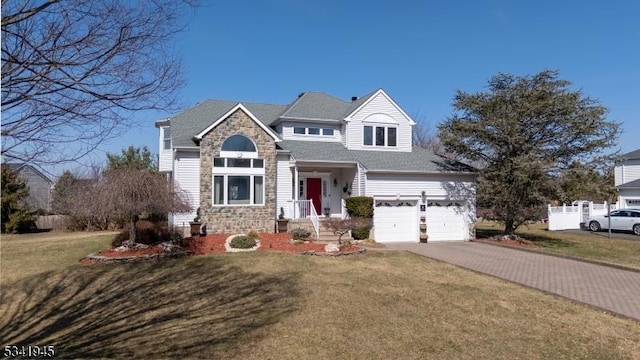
395	220
447	220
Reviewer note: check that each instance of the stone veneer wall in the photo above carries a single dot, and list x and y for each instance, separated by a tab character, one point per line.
237	219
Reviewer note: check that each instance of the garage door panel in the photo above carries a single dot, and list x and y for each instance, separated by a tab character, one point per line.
395	221
446	221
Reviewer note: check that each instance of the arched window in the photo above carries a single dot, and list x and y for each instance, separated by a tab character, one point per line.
238	174
238	143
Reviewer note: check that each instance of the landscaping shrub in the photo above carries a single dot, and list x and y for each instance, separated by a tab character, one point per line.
148	233
361	233
360	206
300	233
253	235
242	242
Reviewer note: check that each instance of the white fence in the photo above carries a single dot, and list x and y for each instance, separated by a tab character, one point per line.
567	217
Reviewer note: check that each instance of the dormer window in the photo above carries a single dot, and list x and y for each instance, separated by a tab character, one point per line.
382	136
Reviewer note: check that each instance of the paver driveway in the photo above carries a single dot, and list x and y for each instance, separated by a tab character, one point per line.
608	288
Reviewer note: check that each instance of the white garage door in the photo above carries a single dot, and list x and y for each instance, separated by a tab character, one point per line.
395	220
446	221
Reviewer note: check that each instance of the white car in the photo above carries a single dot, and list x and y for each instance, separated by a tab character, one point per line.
624	219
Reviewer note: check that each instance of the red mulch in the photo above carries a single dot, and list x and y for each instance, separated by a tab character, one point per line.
214	243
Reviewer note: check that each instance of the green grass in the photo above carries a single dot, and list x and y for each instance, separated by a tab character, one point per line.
268	305
26	254
583	245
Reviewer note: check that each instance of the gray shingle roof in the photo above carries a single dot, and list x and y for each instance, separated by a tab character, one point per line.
418	160
635	184
631	155
315	105
189	123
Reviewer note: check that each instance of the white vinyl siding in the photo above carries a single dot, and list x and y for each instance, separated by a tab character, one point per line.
284	183
627	171
165	155
311	131
187	177
379	111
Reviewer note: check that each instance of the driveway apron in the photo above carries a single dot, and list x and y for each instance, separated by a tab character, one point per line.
605	287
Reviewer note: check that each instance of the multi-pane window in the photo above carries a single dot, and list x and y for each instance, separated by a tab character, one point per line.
238	180
380	136
300	130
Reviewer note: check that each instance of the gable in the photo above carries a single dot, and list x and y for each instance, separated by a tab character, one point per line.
376	104
225	116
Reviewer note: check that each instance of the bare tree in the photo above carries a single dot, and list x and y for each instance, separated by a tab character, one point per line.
426	137
74	70
130	192
341	227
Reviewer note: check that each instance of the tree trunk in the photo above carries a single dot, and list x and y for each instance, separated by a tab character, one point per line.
508	226
132	229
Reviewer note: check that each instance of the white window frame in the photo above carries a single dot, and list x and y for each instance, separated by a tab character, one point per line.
307	133
225	172
374	136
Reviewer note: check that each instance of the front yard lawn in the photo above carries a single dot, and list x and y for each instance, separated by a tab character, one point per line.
614	251
270	305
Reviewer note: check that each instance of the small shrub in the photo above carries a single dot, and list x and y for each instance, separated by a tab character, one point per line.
360	206
253	235
360	233
300	233
147	233
242	242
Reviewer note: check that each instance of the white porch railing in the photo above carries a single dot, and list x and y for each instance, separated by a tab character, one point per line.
343	209
304	209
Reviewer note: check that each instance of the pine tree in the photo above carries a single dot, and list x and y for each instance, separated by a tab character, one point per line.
16	216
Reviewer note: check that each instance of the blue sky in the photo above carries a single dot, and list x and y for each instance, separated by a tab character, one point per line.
420	52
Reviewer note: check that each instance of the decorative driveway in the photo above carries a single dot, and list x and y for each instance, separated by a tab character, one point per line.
605	287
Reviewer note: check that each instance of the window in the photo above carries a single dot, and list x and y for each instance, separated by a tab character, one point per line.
166	138
379	136
382	136
238	173
238	143
391	136
368	135
299	130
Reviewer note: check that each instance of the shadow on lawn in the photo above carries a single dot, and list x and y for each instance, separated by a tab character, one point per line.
179	308
539	239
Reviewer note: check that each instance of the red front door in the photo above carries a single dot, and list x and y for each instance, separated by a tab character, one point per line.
314	192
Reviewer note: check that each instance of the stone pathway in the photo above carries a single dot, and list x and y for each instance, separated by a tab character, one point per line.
605	287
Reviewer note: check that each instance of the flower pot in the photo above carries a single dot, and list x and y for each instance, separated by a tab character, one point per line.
195	228
283	225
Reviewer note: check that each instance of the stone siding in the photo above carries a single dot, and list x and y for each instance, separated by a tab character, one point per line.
237	219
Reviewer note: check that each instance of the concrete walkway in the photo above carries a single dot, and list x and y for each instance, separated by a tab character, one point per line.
605	287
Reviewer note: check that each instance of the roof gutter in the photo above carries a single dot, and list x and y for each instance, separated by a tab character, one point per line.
422	172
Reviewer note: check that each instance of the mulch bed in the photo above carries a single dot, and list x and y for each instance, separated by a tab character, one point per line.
214	243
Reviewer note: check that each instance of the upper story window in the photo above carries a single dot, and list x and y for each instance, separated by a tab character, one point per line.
238	143
315	131
238	173
166	138
383	136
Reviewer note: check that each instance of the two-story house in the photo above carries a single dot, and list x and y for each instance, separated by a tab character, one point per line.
38	183
244	163
627	179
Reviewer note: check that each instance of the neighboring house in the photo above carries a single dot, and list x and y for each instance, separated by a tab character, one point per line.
38	183
242	162
627	179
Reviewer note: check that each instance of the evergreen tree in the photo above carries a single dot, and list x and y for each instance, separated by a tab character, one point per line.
16	216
